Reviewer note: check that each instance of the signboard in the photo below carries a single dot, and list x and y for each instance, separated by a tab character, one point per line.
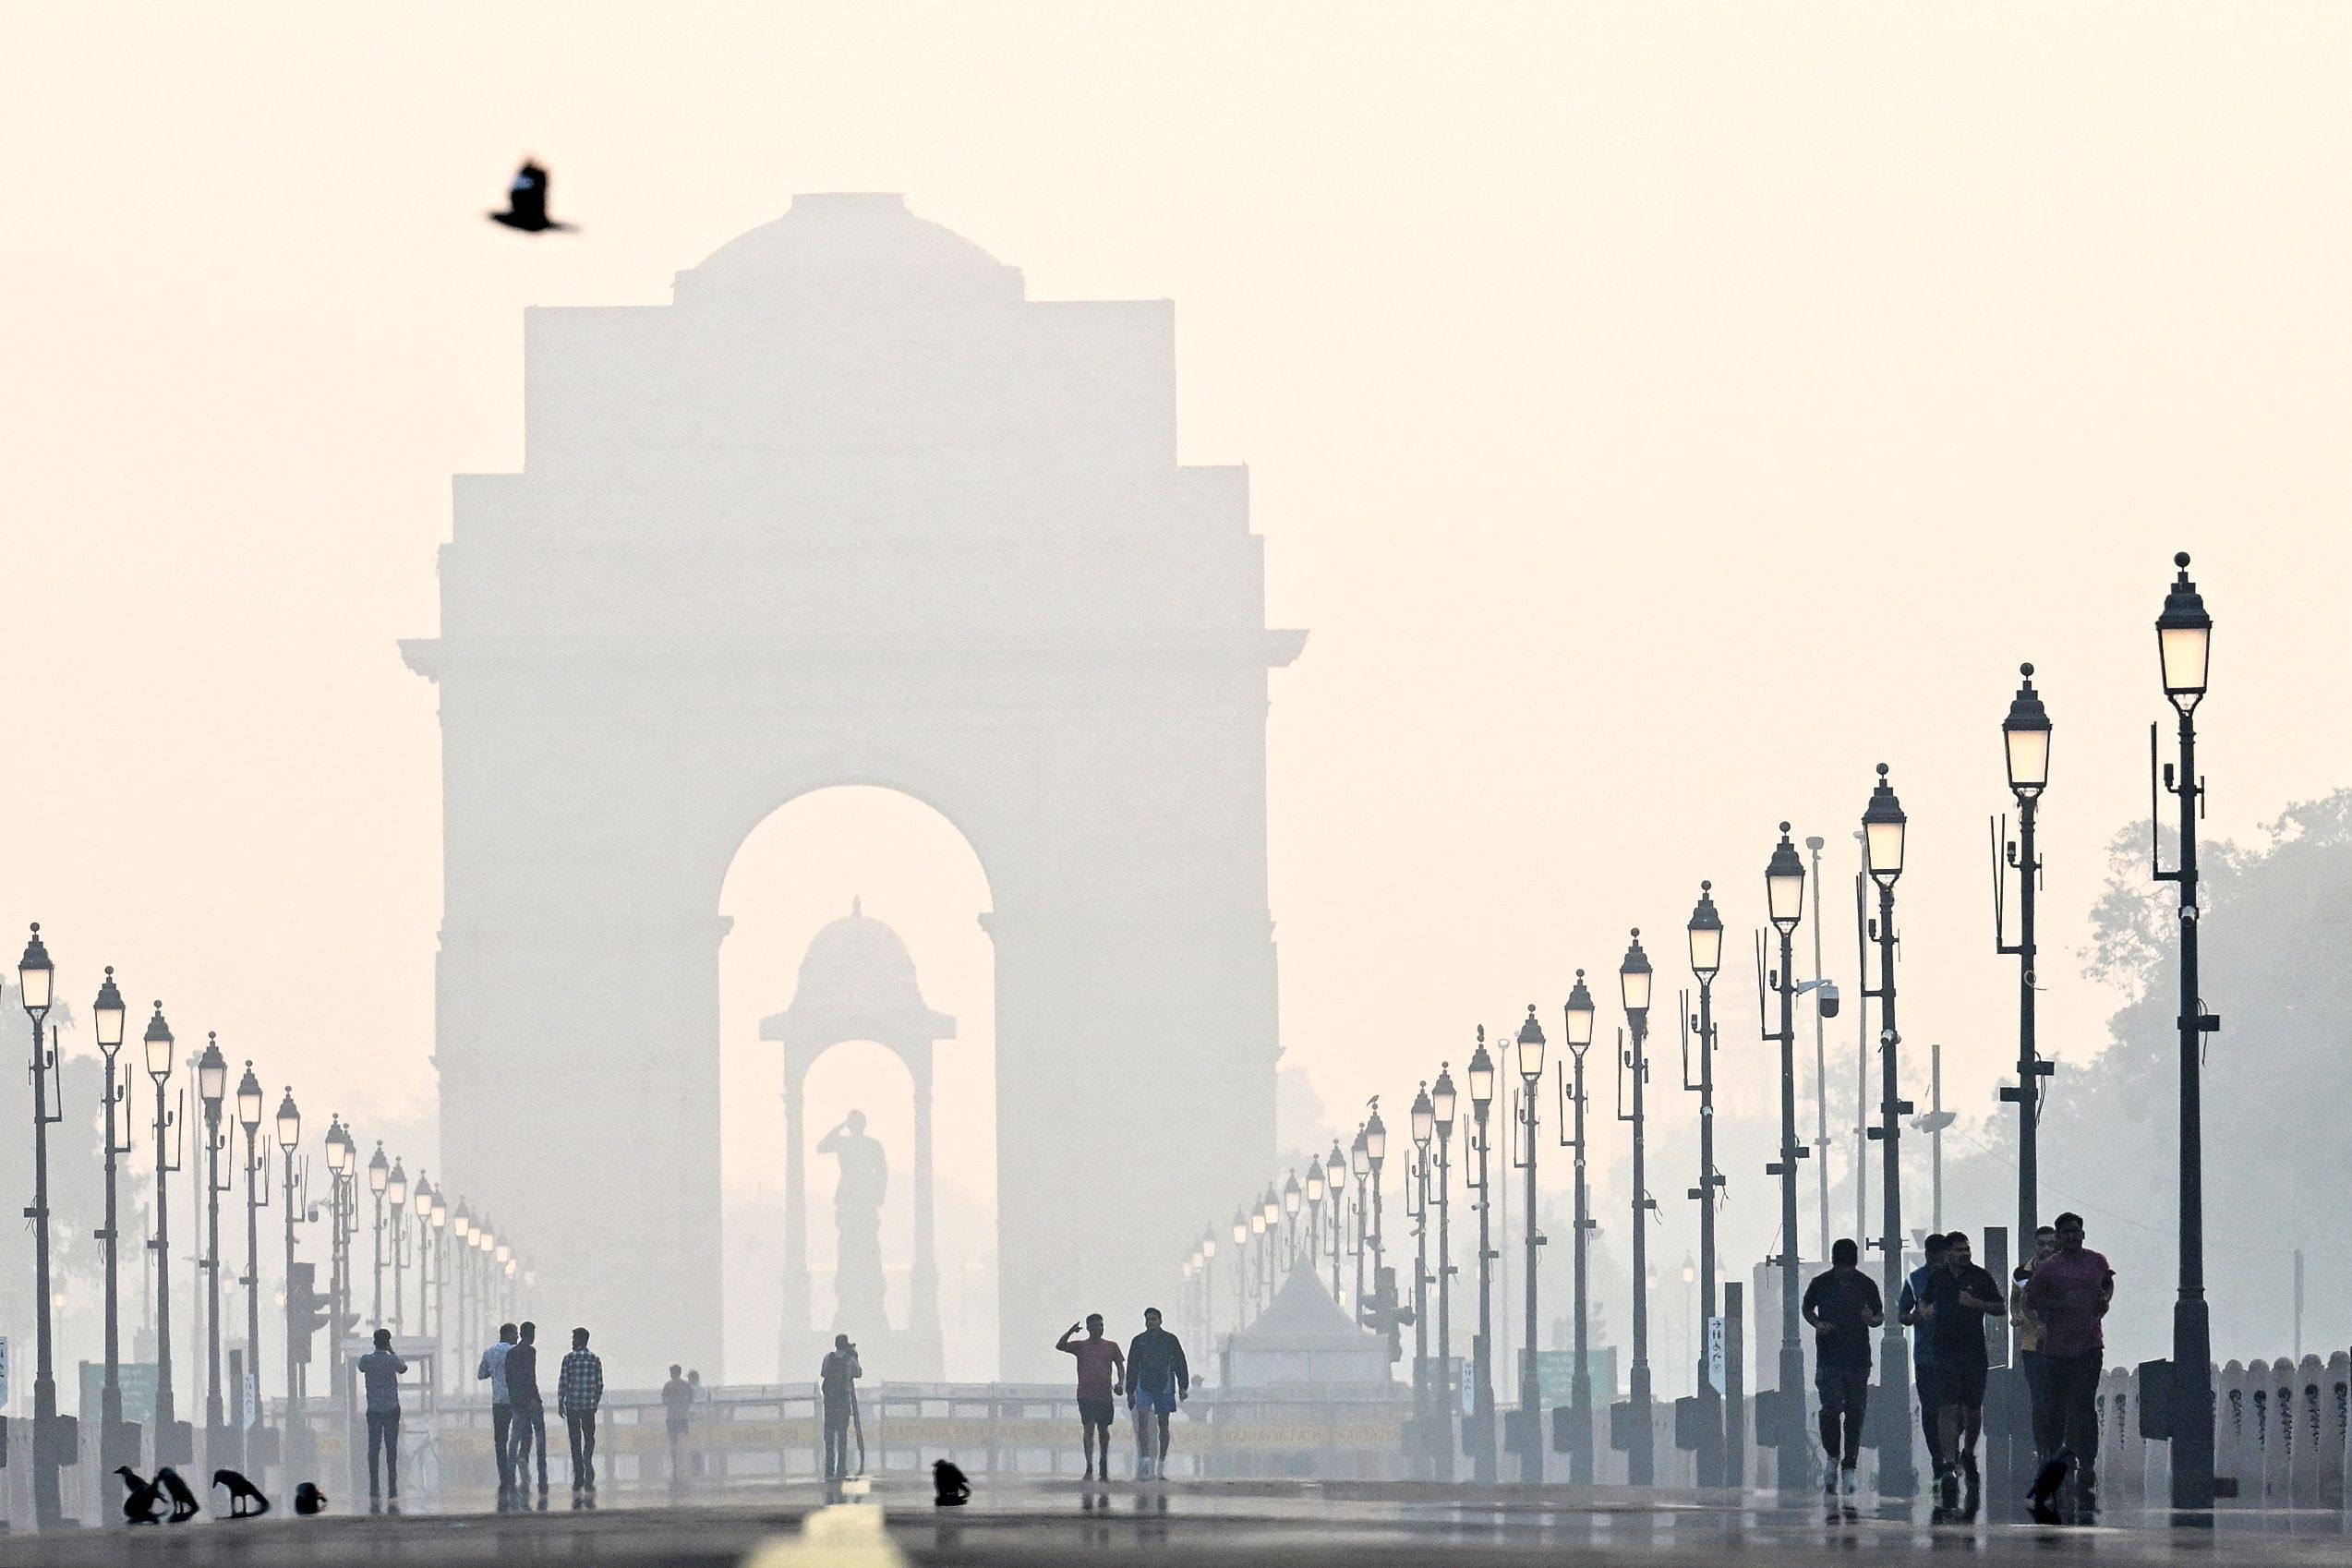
1715	1375
1556	1375
136	1378
252	1400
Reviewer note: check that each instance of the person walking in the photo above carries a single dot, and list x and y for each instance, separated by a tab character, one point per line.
1959	1298
1843	1306
493	1368
2026	1324
381	1368
1156	1379
579	1389
1923	1349
530	1415
677	1406
1100	1363
836	1378
2070	1292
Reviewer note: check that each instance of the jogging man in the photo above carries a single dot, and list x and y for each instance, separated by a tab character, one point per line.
836	1381
2027	1324
1923	1349
381	1369
579	1389
1156	1379
2071	1291
1100	1362
1843	1306
493	1366
1960	1297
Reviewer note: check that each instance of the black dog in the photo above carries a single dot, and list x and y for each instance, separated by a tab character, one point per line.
184	1504
310	1499
246	1501
142	1500
953	1489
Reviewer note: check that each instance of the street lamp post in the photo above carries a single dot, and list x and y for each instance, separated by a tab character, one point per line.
468	1330
1335	1182
1361	1162
1208	1291
2025	744
2184	638
212	1088
289	1130
248	1116
1882	843
1416	1193
34	986
159	1043
1633	979
379	1182
342	1162
1784	895
1272	1208
1706	934
1376	1156
1291	1197
107	1015
1240	1270
396	1195
1442	1101
1578	1023
1482	1449
1530	1420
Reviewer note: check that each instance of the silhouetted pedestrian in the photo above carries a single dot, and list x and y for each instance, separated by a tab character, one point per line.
530	1415
2027	1324
1157	1378
380	1370
1100	1362
579	1389
677	1408
1959	1297
1843	1306
1923	1349
493	1368
836	1378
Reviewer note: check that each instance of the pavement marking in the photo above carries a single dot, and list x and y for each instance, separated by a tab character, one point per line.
841	1536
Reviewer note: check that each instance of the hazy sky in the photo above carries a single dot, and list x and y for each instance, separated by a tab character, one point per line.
1657	415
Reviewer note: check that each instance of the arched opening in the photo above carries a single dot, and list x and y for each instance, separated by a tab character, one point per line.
913	880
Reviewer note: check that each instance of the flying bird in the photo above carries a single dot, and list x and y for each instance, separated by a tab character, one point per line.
526	202
246	1501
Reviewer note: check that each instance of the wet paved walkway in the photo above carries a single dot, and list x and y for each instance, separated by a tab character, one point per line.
1048	1524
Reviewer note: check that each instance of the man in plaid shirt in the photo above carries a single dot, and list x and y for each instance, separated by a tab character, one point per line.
579	1389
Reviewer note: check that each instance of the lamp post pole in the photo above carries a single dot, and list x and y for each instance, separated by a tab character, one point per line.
1418	1211
395	1194
1578	1014
159	1045
1291	1199
1706	934
289	1129
1634	978
2184	635
108	1018
1531	1432
1361	1164
1482	1448
1335	1182
34	977
2025	742
1447	1396
379	1181
1882	828
1814	844
212	1086
1784	888
1376	1155
249	1116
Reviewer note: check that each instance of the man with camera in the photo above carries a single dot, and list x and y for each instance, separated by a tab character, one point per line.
836	1381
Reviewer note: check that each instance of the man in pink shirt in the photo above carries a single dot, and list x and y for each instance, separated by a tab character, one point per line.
1100	1364
2069	1293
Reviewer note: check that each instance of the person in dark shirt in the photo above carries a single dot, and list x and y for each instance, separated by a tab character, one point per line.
1960	1297
837	1378
1922	1347
381	1368
1843	1306
2070	1292
678	1406
1100	1361
1156	1379
530	1417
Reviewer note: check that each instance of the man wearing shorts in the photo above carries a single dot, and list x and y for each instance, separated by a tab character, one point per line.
1923	1349
1959	1297
1156	1379
1100	1362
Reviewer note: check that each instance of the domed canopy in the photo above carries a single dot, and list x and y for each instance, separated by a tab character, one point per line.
850	245
857	983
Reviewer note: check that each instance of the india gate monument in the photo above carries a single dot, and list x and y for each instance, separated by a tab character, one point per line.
851	509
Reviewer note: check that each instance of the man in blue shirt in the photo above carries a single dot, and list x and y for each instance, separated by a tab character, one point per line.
493	1366
381	1369
1923	1349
